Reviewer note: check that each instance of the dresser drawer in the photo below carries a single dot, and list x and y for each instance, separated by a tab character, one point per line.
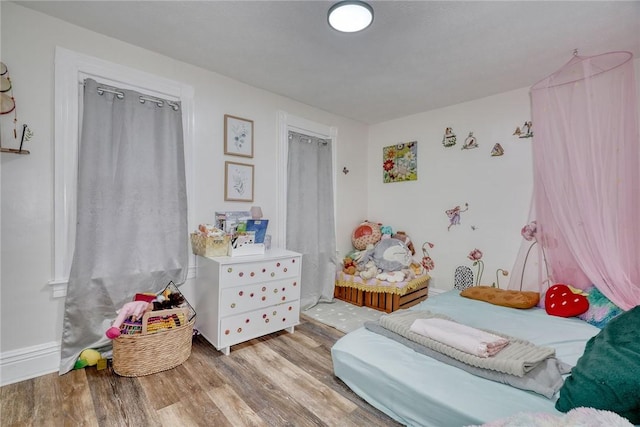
259	271
242	298
245	298
246	326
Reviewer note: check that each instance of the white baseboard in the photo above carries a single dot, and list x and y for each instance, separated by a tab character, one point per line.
435	291
30	362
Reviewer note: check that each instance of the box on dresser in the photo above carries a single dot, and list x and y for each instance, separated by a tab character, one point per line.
241	298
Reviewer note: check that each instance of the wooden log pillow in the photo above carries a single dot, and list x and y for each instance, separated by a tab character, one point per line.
503	297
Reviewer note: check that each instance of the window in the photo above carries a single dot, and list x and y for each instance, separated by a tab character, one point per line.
287	122
71	69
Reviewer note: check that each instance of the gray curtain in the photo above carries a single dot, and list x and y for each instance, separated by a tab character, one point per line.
131	233
310	220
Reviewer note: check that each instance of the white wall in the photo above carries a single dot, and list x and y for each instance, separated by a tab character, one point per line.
498	189
31	318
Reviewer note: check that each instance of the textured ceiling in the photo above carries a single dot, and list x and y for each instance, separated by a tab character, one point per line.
416	56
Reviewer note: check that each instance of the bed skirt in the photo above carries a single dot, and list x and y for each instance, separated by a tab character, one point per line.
380	294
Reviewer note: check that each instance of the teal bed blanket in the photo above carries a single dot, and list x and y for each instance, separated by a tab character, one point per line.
417	390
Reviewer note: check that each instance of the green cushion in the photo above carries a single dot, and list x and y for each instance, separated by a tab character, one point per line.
606	375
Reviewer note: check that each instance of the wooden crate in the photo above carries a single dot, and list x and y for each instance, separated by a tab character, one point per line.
350	295
391	302
382	301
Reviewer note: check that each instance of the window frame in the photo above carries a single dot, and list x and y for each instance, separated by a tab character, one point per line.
71	69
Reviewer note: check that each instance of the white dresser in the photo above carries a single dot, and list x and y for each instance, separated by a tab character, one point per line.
244	297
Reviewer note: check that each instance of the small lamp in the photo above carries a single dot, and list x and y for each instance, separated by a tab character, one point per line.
256	212
350	16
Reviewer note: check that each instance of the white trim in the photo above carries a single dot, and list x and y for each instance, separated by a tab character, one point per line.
29	362
71	69
59	289
435	291
285	123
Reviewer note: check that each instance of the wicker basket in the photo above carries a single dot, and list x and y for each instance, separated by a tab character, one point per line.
209	246
145	354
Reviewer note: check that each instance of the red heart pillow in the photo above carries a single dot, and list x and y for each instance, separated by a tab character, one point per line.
560	301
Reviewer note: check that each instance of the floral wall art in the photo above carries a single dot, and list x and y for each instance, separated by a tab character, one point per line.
238	136
400	162
238	182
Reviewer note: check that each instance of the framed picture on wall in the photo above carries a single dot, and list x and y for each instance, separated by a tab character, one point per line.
400	162
238	182
238	136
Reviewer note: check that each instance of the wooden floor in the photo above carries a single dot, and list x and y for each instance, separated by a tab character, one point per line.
279	380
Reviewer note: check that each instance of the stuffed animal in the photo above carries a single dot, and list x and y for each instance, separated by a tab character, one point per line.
88	357
369	271
133	309
401	235
561	301
168	300
386	231
367	233
349	266
391	276
388	255
414	269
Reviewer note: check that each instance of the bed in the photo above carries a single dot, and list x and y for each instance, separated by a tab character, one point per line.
417	390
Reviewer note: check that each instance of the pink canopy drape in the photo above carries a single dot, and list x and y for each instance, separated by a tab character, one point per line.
586	155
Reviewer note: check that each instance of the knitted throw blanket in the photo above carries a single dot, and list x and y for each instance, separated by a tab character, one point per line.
518	358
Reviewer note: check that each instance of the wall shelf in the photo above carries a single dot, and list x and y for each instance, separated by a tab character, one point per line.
14	151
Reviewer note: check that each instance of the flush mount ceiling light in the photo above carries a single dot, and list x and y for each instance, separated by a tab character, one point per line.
350	16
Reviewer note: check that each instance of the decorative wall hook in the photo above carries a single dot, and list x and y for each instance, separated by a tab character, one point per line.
470	142
449	138
526	131
497	150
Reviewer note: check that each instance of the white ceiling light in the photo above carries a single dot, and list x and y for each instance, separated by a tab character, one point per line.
350	16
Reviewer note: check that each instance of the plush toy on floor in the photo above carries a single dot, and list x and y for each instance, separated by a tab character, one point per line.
88	357
133	309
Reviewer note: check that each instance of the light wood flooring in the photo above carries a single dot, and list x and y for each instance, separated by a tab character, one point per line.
281	379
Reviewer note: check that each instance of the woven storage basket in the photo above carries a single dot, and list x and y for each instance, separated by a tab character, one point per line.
209	246
145	354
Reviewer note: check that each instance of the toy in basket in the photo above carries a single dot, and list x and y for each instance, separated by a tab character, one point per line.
209	241
147	341
151	352
154	321
129	319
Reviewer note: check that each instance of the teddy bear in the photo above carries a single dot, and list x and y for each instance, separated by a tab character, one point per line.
349	266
